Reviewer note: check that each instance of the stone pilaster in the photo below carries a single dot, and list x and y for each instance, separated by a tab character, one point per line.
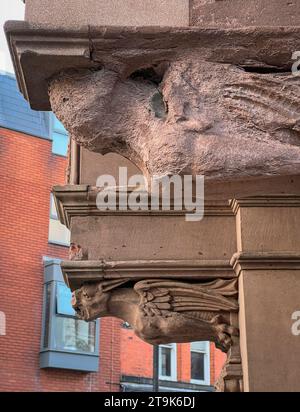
268	266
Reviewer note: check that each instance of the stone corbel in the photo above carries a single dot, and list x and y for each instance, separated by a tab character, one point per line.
190	116
172	100
163	311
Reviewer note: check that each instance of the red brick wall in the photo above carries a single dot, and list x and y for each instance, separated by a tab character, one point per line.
217	360
136	358
184	362
27	173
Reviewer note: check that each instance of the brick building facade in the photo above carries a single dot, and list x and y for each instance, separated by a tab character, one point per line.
31	163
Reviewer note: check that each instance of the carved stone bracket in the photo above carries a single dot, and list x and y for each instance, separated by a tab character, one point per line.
164	301
171	100
190	117
163	311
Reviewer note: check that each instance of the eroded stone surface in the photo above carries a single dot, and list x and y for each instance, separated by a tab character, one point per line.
187	117
241	13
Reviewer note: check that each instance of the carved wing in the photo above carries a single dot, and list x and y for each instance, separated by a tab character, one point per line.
164	297
270	102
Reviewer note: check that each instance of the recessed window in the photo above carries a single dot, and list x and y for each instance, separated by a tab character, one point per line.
168	362
58	233
67	342
60	138
200	363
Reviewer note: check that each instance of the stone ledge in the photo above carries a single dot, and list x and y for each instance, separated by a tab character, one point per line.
40	51
265	261
81	201
77	272
266	201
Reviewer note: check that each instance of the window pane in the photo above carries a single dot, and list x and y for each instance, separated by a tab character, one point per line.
53	212
58	233
63	300
58	126
197	366
47	316
60	144
75	335
199	346
165	360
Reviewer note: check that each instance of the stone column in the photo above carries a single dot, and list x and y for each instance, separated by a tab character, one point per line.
268	266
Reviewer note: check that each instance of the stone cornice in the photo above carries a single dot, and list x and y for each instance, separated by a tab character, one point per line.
77	272
80	200
266	201
265	261
40	52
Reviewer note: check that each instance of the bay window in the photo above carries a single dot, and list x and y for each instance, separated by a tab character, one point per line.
67	342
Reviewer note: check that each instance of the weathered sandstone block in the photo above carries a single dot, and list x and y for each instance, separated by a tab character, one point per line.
242	13
187	117
108	12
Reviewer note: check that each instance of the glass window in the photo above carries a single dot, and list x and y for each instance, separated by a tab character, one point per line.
67	342
200	362
63	300
168	362
60	138
47	314
166	354
71	333
74	335
68	332
58	233
197	365
53	212
58	126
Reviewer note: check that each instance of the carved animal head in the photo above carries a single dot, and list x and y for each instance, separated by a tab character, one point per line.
90	302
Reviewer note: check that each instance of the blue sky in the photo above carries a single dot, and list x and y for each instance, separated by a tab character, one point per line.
9	10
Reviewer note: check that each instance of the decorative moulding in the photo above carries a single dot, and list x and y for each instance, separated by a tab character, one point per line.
265	261
80	200
78	272
266	201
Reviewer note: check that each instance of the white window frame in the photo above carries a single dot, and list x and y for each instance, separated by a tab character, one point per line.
53	217
206	352
173	376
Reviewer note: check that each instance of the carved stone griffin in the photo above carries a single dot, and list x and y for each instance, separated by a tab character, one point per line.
164	311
